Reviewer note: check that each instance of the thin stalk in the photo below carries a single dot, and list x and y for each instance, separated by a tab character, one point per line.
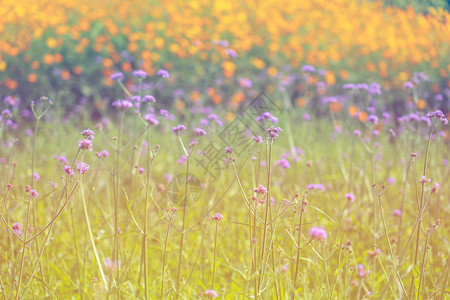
180	255
166	241
266	215
144	237
416	254
214	259
22	261
297	261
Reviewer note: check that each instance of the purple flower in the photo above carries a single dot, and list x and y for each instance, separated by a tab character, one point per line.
374	89
199	132
408	85
306	117
362	86
82	168
391	180
397	212
34	193
85	144
148	98
318	233
260	190
163	73
68	170
139	73
245	82
88	134
182	159
350	197
372	119
211	294
231	53
439	115
315	186
164	113
117	76
272	132
308	68
178	129
103	153
122	104
267	116
349	86
356	132
17	228
228	150
151	119
258	139
283	163
217	217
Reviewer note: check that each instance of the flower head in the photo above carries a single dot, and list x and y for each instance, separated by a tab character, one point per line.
178	129
217	217
211	294
148	98
88	134
82	168
68	170
350	197
117	76
260	190
151	119
34	193
272	132
199	132
163	73
139	73
17	228
318	233
85	144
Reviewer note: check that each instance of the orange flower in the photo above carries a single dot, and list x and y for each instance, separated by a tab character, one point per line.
11	84
32	78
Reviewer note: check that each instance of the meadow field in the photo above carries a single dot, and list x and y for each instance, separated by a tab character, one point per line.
224	149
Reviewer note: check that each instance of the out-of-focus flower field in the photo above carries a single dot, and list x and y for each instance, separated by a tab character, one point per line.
61	44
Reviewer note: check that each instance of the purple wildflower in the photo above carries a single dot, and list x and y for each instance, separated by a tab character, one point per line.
139	73
85	145
260	190
34	193
308	68
82	168
211	294
178	129
318	233
148	98
199	132
258	139
229	150
163	73
68	170
283	163
117	76
231	53
164	113
151	119
350	197
408	85
217	217
272	132
17	228
122	104
88	134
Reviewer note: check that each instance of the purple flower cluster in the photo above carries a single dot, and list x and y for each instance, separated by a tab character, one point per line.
151	119
217	217
272	132
122	104
211	294
318	233
88	134
82	167
260	190
148	98
315	186
350	197
179	128
17	228
439	115
163	73
139	74
68	170
199	131
283	163
267	116
117	76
